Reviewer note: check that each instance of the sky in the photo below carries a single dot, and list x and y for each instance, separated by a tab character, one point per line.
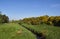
19	9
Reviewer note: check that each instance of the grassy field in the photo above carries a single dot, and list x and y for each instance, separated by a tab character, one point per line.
14	31
51	32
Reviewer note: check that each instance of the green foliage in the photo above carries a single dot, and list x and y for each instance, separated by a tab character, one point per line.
56	21
50	20
4	19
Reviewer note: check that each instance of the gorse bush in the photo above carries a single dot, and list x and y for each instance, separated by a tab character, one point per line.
50	20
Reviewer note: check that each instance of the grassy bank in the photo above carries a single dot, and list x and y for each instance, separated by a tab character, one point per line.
51	32
14	31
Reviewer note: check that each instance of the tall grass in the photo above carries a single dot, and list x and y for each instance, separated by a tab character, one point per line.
51	32
14	31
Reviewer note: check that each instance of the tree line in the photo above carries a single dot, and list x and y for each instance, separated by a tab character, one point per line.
50	20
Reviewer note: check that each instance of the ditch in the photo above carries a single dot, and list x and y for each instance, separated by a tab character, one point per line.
38	35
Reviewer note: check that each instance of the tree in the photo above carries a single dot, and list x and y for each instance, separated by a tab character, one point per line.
4	18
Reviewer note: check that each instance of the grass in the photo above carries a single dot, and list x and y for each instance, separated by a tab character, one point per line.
15	31
51	32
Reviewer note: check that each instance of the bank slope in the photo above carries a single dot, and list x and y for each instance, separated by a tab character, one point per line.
15	31
50	32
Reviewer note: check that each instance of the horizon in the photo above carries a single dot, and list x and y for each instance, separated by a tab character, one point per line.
19	9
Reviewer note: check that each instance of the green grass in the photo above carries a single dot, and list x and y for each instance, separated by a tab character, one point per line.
51	32
15	31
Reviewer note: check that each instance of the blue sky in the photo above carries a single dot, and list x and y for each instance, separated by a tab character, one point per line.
18	9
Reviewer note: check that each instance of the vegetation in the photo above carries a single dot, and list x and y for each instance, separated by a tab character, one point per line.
51	32
4	18
42	24
14	31
50	20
